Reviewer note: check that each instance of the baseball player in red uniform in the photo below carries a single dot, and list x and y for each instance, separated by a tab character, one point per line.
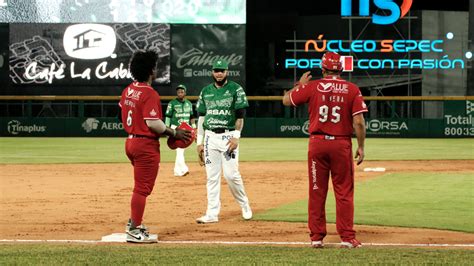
335	109
141	116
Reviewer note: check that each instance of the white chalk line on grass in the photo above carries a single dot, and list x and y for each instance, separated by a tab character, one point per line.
230	243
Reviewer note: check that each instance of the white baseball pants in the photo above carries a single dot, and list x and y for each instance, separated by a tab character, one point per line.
217	160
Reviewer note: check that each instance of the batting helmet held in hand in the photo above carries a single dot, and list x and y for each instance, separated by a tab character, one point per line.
174	143
331	61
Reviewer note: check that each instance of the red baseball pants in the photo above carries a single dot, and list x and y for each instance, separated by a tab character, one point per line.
330	157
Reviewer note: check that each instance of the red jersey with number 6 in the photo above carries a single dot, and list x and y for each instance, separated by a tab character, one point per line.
332	104
139	101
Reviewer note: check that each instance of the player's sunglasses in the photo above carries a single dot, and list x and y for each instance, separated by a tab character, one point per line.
218	70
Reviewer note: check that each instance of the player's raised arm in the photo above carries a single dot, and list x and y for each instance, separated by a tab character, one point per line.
305	78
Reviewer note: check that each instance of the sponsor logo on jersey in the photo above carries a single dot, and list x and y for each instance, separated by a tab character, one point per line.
133	94
340	88
314	174
324	87
153	112
334	87
89	41
182	115
15	127
216	122
227	93
219	112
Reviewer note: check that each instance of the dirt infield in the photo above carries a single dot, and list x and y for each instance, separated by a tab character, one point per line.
88	201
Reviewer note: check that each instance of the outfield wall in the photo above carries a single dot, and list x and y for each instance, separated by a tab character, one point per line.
457	121
450	126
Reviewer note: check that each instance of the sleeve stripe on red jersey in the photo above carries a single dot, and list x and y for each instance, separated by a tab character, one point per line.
152	118
291	99
120	104
361	111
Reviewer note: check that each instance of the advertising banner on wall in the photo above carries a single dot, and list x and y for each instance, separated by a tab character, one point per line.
452	127
61	127
136	11
196	47
83	54
3	52
459	118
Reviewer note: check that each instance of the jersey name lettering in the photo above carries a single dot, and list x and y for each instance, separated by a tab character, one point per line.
336	99
129	103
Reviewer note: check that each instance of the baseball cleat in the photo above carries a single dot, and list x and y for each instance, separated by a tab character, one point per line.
206	220
317	244
247	212
140	234
353	243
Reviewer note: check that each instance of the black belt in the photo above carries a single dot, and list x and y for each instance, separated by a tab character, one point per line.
221	130
328	137
136	136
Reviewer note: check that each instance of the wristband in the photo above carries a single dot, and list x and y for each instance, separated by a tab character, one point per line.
236	134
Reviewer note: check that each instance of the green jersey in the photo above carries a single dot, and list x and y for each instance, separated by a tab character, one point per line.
219	105
179	111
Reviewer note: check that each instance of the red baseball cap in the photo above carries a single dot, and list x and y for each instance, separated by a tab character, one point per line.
331	61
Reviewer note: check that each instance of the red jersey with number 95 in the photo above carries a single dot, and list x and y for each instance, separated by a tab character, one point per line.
139	101
332	102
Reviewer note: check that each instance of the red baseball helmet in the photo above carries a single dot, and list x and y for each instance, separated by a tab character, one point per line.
331	61
179	143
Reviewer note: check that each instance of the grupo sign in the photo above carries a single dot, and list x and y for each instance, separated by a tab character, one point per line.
79	54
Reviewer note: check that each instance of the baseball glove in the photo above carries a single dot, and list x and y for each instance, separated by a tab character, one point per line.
201	158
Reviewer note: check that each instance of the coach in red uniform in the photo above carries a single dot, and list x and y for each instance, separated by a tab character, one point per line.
335	109
142	119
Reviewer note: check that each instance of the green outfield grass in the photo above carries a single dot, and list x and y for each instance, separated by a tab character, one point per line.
111	150
52	254
424	200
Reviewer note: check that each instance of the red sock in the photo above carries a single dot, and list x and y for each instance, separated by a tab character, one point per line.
138	208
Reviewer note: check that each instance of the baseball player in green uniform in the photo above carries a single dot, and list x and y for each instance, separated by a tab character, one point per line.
221	107
180	110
